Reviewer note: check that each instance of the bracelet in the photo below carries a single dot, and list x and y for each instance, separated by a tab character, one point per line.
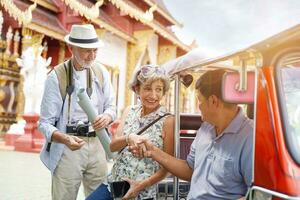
127	138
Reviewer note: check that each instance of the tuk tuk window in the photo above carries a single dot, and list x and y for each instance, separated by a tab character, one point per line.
289	94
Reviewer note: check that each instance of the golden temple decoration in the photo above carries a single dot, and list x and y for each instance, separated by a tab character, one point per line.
9	78
100	32
46	31
16	44
93	15
20	99
135	13
31	38
164	14
113	69
145	19
148	15
2	93
47	4
89	13
134	52
166	53
23	17
9	36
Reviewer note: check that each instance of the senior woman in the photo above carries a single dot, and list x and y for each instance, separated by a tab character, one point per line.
150	83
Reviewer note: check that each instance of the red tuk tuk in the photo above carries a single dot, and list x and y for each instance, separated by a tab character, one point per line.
273	104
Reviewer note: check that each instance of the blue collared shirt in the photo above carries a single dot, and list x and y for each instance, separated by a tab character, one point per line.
53	109
222	165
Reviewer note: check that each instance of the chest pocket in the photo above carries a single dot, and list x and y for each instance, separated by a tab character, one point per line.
221	171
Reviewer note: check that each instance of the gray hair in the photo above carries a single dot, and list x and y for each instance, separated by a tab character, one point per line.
137	79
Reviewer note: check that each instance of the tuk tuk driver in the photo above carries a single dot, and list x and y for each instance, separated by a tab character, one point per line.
219	164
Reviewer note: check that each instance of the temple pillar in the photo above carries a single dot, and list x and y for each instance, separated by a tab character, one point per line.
134	52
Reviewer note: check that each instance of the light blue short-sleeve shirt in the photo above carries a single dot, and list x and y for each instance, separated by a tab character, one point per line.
222	166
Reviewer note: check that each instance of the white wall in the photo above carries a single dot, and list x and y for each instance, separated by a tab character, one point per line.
114	53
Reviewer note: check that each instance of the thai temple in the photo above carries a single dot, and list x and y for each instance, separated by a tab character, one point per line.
32	33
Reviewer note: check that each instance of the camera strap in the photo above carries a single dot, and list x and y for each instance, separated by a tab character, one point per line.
70	84
68	75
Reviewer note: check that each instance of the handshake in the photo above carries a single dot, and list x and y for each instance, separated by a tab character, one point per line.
140	146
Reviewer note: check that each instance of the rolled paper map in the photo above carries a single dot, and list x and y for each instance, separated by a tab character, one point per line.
86	105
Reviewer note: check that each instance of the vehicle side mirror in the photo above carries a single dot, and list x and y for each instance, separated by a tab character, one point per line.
234	92
186	79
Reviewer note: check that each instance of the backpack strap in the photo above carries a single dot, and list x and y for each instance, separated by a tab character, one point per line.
97	69
62	71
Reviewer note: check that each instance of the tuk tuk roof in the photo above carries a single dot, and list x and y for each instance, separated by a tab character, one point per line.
198	58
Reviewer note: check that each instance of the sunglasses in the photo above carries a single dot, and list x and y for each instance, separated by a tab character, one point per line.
149	70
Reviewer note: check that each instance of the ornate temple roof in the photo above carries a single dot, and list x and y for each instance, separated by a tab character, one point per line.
45	17
49	4
44	22
104	21
162	9
154	24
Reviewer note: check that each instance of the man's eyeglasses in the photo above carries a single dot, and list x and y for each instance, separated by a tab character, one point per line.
149	70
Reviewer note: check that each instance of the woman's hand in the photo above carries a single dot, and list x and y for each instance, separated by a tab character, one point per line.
135	188
135	140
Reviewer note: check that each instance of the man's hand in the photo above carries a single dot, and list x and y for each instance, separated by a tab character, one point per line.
73	142
144	148
135	143
101	121
134	140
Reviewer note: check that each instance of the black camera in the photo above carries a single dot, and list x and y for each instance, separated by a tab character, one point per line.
79	129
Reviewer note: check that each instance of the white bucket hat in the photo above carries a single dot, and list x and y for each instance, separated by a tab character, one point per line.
83	36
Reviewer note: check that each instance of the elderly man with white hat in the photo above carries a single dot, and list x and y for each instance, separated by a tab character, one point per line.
72	152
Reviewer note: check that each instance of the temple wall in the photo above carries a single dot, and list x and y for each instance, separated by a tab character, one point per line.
114	55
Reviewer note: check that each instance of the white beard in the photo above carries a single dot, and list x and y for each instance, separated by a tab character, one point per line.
87	65
83	64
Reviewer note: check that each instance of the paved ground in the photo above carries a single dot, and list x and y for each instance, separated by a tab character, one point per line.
24	177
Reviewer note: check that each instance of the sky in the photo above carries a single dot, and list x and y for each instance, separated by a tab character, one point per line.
222	25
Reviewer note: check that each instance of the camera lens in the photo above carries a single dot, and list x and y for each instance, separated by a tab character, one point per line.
81	129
